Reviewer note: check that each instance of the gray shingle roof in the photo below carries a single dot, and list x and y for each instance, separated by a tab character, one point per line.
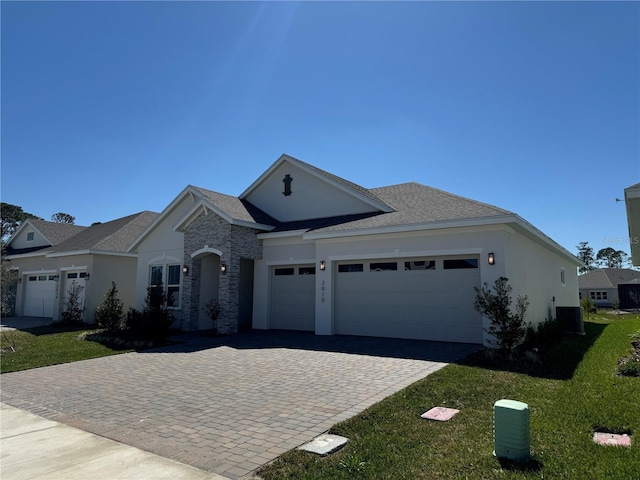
113	236
607	278
56	232
236	208
417	204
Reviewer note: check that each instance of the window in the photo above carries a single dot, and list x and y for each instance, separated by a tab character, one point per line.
307	271
72	275
350	267
42	278
562	277
598	295
33	278
420	265
460	263
383	266
285	271
30	237
580	295
167	276
83	274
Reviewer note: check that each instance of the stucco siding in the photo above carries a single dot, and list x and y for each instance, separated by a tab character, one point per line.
106	269
536	271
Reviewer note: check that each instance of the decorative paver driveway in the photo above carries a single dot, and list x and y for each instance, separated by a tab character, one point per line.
227	405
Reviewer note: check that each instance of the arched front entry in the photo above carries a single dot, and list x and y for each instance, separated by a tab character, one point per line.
206	265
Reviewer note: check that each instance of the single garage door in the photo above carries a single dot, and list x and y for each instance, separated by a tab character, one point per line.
293	297
39	296
421	298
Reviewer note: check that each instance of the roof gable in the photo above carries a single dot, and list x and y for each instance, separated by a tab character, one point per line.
292	190
45	234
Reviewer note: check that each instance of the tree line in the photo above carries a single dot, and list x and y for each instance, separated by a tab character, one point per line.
605	258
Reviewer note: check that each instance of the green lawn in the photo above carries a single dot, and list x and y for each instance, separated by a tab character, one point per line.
42	346
577	393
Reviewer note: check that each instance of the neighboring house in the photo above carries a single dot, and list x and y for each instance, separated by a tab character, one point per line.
632	202
50	257
303	249
602	285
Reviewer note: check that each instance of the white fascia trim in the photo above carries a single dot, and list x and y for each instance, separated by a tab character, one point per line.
189	189
286	158
412	228
288	233
37	272
91	252
257	226
632	192
546	240
18	256
291	261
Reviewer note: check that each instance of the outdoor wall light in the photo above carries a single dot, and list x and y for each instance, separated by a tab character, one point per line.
223	268
88	276
322	265
185	270
492	259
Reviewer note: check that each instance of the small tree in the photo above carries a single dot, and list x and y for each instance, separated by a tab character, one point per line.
72	312
110	313
213	311
587	305
507	327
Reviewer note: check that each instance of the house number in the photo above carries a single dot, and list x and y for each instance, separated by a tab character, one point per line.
322	289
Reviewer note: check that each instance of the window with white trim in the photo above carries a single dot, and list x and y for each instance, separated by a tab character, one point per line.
168	277
30	236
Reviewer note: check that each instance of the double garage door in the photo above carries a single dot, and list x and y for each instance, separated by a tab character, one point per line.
419	298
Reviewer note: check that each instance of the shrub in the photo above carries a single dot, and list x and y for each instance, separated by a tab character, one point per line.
543	335
110	313
155	319
588	306
508	328
72	312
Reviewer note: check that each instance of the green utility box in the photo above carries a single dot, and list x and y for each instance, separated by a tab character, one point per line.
511	430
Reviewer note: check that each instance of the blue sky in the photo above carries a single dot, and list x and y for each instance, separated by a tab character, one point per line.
110	108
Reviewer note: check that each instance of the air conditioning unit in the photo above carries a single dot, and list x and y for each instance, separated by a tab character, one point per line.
511	430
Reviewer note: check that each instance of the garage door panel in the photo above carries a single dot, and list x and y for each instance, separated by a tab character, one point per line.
434	304
292	299
39	296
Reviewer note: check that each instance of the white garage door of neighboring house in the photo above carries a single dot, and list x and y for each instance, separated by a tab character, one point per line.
421	298
39	295
293	297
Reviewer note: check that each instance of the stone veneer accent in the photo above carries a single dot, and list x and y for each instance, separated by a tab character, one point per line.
235	242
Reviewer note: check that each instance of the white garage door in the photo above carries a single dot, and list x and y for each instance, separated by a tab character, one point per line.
39	295
293	297
421	298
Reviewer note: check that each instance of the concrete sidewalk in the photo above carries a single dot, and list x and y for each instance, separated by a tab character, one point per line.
32	447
